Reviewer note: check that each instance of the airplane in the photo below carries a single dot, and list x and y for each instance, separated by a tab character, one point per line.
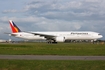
54	37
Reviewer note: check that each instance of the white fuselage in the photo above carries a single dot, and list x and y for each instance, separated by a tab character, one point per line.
72	35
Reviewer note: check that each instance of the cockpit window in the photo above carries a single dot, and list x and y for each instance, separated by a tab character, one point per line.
99	34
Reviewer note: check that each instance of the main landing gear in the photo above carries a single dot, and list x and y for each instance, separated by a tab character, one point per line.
51	42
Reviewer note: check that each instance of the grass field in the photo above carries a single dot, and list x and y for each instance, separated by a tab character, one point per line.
51	65
74	49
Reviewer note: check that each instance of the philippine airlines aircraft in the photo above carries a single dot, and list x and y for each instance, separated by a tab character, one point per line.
53	37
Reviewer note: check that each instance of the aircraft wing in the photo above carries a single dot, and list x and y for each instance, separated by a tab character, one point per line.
44	35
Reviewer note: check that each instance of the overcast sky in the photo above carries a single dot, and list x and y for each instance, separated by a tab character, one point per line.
53	15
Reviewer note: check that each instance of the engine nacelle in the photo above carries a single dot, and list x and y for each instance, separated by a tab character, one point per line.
60	39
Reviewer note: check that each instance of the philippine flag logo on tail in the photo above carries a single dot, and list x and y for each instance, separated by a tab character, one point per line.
14	28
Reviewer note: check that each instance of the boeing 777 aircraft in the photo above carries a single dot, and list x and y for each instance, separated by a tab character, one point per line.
54	37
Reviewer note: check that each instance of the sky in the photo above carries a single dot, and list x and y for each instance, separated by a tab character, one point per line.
53	15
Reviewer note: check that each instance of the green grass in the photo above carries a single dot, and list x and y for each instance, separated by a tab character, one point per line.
74	49
51	65
79	49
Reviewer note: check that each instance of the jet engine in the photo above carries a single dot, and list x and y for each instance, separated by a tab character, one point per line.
60	39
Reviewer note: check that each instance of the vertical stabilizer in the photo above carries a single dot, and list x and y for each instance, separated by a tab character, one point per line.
13	26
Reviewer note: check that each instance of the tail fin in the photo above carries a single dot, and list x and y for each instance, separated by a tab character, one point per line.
13	26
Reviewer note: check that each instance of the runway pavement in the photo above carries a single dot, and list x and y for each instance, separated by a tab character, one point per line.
51	57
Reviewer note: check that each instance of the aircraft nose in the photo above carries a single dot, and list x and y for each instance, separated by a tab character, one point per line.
101	36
